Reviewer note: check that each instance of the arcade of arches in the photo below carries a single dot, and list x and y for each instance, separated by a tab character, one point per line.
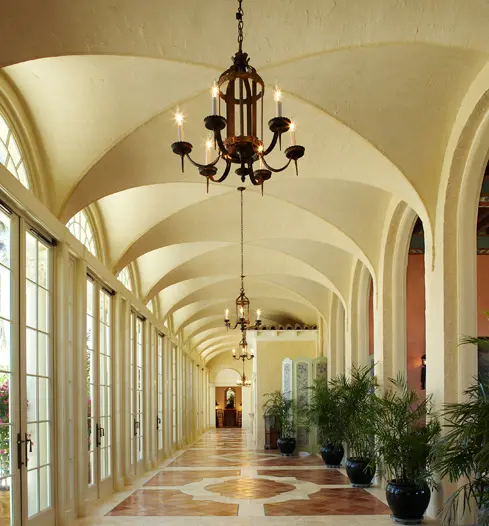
116	268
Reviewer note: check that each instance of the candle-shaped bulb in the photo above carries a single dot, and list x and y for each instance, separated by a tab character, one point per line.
241	312
208	148
234	352
226	315
258	314
215	93
260	155
179	120
292	129
277	95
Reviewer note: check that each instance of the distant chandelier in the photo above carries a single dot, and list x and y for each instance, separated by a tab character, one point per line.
244	354
242	91
243	319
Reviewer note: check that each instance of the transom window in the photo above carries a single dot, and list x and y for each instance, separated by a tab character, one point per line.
10	153
80	227
125	278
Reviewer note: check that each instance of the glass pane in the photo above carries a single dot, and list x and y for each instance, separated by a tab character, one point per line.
43	354
31	383
32	449
43	313
5	345
14	149
31	307
45	488
4	239
31	348
43	384
43	443
4	451
4	292
4	129
32	493
31	257
43	265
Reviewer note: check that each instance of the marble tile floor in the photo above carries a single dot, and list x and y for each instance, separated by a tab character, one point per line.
234	485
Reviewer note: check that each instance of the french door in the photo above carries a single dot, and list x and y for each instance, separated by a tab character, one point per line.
99	389
159	405
136	383
26	375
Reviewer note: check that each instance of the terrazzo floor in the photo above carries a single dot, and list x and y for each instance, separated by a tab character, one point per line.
220	480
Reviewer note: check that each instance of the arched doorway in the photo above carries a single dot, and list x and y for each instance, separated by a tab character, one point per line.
229	399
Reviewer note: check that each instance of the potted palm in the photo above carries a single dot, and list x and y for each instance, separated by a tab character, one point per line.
406	433
325	413
463	454
360	407
281	407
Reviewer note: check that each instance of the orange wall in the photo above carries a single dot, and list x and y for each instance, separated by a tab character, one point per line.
415	320
220	396
482	294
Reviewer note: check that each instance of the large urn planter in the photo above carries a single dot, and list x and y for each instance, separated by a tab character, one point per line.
332	455
360	472
407	501
286	446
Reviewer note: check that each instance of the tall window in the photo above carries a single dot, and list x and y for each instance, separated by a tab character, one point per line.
10	154
124	277
79	226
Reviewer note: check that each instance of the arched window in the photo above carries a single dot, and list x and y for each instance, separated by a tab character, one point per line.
124	277
10	153
81	228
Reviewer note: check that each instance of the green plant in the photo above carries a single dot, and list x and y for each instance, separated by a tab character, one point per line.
463	453
325	412
403	440
359	410
282	408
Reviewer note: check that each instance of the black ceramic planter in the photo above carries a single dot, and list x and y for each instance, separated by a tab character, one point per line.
332	455
407	502
359	472
286	446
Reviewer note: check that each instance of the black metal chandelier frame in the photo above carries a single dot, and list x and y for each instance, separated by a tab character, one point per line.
242	90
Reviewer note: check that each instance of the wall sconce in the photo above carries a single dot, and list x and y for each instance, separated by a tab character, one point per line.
423	372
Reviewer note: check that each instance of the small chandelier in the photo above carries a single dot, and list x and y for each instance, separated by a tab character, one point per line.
241	91
243	319
244	354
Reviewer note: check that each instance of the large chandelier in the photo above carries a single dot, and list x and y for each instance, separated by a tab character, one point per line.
244	354
243	318
240	90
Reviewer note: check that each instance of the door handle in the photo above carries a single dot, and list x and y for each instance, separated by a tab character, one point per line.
136	427
100	432
158	422
28	446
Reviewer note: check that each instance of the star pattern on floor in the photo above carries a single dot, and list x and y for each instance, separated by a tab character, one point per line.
204	481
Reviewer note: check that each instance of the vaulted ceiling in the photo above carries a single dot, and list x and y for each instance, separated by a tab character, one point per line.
374	87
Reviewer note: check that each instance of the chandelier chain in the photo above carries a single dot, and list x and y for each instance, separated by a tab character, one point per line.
242	240
239	18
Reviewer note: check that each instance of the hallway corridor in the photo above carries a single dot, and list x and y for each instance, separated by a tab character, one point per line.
220	480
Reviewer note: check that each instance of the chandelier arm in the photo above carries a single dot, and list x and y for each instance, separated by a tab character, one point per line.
198	165
220	143
253	180
225	173
276	170
272	144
